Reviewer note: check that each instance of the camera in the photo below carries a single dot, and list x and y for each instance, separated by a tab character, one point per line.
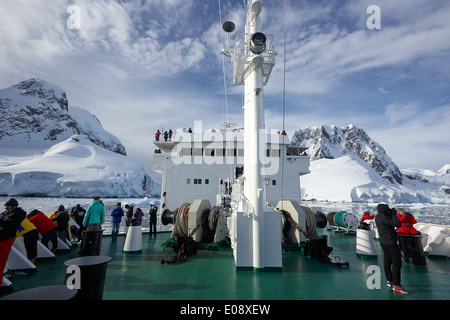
392	212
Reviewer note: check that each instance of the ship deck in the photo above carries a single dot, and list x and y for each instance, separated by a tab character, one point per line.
212	275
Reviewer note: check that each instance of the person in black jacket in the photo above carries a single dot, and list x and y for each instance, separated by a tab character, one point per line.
152	222
387	221
62	220
10	221
77	214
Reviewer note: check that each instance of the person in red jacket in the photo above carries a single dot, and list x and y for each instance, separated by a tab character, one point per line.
367	216
407	220
46	227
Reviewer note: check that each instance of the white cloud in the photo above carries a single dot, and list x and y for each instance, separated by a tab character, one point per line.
322	52
419	138
396	114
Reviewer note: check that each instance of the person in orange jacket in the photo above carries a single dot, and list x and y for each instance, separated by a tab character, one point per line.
407	220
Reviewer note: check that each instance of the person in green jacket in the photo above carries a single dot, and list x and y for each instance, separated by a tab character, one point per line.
95	215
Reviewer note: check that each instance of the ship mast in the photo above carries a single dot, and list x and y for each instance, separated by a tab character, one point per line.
253	123
253	59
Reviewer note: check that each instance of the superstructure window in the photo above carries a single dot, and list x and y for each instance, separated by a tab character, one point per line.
220	152
231	152
186	151
197	181
198	152
209	152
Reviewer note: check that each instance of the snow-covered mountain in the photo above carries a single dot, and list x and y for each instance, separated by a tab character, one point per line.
347	165
331	142
36	110
48	148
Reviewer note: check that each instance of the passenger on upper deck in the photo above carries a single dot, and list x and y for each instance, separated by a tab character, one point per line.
157	134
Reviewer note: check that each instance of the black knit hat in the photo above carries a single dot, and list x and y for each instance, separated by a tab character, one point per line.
383	208
11	203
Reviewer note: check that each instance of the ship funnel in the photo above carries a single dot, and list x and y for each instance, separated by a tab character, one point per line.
167	217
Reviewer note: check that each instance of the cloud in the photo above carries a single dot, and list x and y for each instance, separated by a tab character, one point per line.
323	51
419	137
396	114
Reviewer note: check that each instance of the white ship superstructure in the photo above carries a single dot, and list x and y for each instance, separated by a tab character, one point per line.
199	165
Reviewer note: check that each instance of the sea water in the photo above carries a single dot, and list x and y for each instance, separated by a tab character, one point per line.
50	205
423	212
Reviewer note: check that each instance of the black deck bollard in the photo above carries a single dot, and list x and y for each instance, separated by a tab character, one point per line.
93	273
412	249
58	292
91	243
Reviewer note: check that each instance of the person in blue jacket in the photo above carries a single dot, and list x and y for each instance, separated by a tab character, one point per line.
95	215
117	215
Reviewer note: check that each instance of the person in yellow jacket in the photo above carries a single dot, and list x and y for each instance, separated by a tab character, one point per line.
30	237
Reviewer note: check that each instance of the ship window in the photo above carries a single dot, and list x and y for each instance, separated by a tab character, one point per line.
198	152
275	153
240	152
231	152
274	182
206	181
188	181
220	152
197	181
209	152
186	151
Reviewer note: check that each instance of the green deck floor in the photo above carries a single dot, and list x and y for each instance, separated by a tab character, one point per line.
211	275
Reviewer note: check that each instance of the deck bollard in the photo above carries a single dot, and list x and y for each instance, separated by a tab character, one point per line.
93	273
91	243
58	292
411	248
133	241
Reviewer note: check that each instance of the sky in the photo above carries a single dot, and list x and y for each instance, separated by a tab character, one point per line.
142	65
